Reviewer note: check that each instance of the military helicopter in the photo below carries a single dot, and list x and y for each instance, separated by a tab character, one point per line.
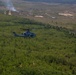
25	34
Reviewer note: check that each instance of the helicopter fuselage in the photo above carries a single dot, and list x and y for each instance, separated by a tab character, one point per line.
26	34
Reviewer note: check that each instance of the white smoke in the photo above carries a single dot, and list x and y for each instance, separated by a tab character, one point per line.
9	5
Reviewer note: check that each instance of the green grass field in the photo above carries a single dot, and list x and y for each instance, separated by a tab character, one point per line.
51	52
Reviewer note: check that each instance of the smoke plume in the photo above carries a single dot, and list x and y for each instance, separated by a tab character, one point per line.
9	5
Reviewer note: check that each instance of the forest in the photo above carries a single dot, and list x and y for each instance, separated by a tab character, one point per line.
51	52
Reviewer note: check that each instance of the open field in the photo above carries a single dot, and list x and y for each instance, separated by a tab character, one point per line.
50	13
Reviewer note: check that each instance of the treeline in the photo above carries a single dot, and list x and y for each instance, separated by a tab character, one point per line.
55	1
12	20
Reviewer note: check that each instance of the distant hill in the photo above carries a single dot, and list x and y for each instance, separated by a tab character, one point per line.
55	1
1	3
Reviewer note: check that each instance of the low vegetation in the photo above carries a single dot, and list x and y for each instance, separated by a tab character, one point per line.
51	52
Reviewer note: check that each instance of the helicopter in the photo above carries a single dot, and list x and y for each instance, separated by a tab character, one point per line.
25	34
